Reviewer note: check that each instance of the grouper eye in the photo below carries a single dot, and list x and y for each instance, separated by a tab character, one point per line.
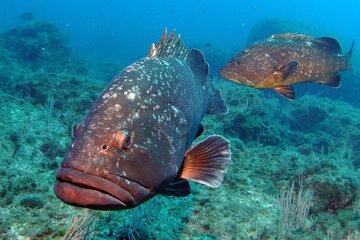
122	140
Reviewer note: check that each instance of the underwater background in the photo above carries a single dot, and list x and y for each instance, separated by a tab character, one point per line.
295	167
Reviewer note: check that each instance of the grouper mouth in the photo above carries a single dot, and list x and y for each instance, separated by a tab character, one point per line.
225	73
235	77
228	74
82	189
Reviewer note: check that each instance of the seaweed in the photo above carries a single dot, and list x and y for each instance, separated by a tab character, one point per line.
52	149
15	138
35	41
30	200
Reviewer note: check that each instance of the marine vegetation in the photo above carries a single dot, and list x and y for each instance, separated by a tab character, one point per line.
298	157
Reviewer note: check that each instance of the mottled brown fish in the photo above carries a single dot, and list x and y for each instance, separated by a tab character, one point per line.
136	140
286	59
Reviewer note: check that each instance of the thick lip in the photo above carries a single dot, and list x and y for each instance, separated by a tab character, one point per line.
225	73
234	76
228	74
91	191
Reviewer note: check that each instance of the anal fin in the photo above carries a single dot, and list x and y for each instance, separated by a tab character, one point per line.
206	162
178	187
286	91
333	81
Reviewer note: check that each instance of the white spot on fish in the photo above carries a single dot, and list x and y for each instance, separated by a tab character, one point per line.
176	110
130	95
106	95
117	106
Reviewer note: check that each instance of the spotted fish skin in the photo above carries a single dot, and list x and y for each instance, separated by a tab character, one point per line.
135	137
163	102
309	58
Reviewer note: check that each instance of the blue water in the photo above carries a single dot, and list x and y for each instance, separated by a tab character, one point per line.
274	141
109	27
122	30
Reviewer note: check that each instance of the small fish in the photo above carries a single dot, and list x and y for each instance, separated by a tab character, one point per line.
285	59
136	140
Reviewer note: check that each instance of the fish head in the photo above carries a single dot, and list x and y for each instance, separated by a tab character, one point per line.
234	70
230	70
118	161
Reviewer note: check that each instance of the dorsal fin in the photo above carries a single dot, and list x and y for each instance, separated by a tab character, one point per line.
326	43
170	45
329	44
197	63
292	36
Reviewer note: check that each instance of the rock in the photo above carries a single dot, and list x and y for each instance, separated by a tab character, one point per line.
333	191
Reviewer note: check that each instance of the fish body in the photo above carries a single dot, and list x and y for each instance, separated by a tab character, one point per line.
286	59
134	142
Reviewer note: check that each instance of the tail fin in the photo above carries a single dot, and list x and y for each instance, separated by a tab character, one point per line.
348	56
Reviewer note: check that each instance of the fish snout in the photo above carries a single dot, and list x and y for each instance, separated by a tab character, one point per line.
225	73
228	73
83	189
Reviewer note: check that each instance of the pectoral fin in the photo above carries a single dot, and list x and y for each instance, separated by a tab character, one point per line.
206	162
179	188
286	91
285	71
333	81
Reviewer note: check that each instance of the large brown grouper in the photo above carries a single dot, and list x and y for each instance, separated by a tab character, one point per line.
135	142
285	59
